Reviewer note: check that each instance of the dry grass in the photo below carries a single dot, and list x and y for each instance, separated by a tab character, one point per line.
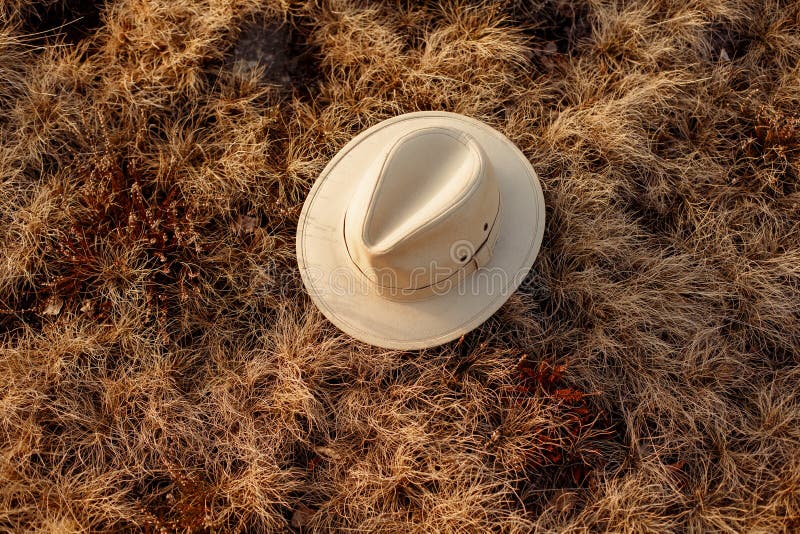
163	370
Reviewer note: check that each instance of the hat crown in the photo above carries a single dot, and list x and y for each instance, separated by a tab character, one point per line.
426	208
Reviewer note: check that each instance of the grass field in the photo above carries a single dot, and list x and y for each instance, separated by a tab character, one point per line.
162	368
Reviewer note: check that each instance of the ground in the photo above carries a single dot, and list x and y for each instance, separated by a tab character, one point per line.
164	370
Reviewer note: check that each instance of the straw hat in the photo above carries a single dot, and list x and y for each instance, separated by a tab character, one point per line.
419	229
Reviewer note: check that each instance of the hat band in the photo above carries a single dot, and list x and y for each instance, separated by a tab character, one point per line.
479	258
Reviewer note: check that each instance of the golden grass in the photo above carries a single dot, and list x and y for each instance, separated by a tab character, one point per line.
163	369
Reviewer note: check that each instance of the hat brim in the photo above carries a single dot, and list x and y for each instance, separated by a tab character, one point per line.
327	271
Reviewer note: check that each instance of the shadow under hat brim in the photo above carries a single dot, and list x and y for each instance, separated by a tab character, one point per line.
338	289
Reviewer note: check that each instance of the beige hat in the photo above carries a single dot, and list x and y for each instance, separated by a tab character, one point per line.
419	229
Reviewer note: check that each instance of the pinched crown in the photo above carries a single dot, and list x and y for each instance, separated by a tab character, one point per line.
426	209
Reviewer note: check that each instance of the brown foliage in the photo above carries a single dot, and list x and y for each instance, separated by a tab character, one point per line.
163	370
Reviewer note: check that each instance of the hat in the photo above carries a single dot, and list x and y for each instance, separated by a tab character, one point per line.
419	229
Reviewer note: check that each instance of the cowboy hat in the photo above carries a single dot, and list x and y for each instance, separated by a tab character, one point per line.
419	229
